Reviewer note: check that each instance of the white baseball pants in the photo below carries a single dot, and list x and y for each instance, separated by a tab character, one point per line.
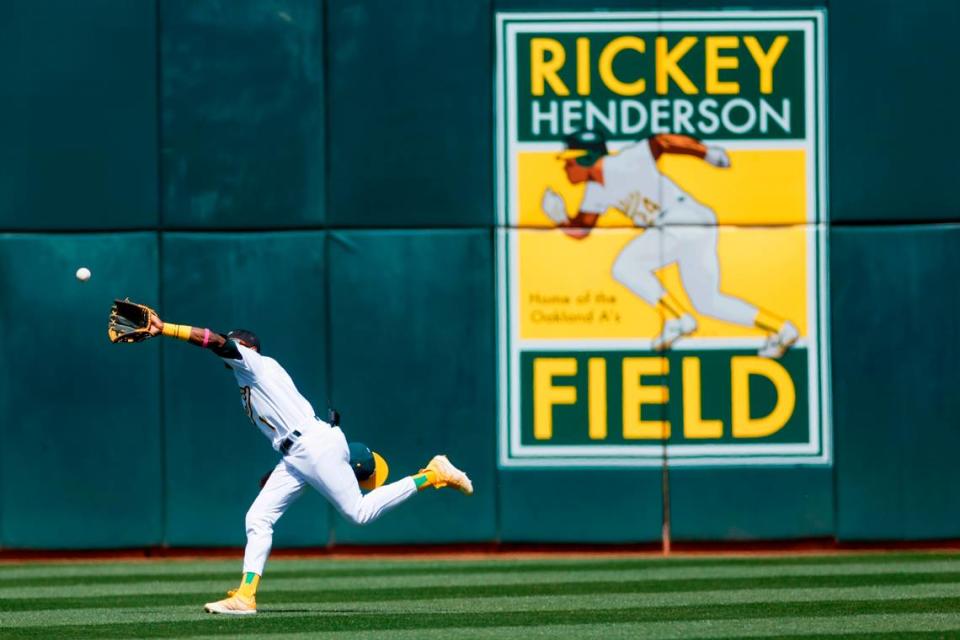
321	459
689	238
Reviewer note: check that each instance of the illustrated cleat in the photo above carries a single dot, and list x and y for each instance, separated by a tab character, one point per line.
447	474
778	343
673	330
233	605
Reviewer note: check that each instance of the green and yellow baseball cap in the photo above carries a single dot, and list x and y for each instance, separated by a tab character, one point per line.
586	147
368	466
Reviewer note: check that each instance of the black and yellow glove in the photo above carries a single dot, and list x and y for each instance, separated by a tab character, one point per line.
129	321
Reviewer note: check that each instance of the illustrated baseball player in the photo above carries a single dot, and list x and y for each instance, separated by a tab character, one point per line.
678	229
313	452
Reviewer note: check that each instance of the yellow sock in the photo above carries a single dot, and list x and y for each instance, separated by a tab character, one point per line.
670	306
248	585
768	322
425	479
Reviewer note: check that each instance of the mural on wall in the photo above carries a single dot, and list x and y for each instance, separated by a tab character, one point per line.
661	253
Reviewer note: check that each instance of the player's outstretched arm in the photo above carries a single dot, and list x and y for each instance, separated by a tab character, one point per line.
200	336
685	145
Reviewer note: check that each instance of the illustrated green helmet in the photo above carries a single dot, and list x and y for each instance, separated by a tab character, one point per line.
586	147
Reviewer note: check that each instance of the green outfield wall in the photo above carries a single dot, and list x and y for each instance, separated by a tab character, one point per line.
345	178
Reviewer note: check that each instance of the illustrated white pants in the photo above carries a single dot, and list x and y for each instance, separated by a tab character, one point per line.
689	238
321	459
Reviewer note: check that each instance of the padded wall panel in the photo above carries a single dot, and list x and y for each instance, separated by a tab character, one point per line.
739	503
411	130
895	376
270	283
243	113
761	5
892	137
642	5
412	361
580	506
574	5
80	454
78	114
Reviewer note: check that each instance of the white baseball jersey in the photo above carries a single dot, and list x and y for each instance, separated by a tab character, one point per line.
270	399
633	184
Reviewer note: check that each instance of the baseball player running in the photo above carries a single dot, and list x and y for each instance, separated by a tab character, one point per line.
678	229
314	452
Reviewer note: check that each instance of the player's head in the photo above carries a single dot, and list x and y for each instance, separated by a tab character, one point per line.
582	151
247	338
368	466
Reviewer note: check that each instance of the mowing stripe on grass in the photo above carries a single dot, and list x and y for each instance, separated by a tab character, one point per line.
378	566
440	593
865	626
348	621
760	597
487	578
371	569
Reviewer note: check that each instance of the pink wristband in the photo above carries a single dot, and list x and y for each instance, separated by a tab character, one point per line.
206	337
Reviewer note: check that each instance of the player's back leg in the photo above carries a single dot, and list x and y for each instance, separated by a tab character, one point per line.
700	274
324	462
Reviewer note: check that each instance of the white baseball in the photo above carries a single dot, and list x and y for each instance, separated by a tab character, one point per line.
83	274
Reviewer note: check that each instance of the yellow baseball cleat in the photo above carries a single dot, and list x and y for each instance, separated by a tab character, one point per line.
447	474
233	605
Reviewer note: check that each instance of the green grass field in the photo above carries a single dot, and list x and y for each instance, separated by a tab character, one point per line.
850	596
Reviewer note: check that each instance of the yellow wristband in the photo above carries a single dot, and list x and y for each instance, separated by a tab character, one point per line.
178	331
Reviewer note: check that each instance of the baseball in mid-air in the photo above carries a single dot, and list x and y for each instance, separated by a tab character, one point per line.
83	274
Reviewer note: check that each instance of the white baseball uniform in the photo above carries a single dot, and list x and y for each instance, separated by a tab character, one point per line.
320	457
678	229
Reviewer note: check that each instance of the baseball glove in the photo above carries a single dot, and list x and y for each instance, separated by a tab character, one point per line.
129	321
